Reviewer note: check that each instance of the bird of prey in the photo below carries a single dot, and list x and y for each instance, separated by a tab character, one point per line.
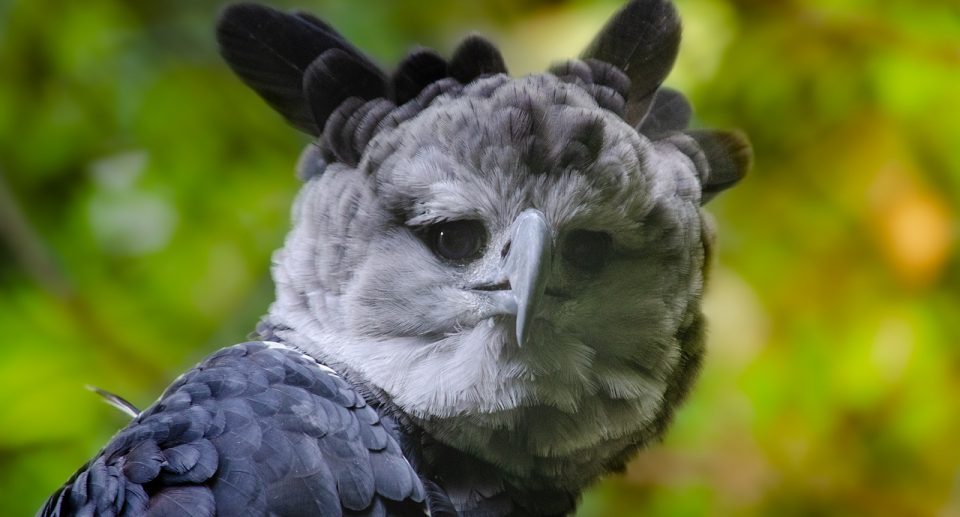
490	296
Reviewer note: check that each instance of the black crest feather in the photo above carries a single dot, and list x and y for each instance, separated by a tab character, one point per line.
670	112
729	155
336	76
642	40
605	74
419	69
607	84
573	71
721	158
352	126
326	87
270	51
476	57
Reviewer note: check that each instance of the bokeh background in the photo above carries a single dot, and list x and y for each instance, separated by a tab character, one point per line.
143	189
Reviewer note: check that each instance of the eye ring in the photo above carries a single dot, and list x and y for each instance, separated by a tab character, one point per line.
457	241
586	250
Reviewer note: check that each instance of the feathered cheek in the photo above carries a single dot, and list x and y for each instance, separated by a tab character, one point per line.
406	292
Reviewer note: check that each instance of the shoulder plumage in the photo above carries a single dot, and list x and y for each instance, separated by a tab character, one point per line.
255	429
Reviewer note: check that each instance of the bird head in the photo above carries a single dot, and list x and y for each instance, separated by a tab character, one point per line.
516	263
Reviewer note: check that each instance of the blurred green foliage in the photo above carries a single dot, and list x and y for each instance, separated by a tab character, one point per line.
143	189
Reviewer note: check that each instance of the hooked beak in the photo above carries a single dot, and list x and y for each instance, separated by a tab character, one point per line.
518	286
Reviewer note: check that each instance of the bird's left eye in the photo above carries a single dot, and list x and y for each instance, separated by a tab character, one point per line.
457	240
586	250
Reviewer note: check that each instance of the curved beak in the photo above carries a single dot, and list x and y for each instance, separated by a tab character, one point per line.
518	285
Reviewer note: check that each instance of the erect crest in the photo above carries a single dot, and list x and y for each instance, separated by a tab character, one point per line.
326	87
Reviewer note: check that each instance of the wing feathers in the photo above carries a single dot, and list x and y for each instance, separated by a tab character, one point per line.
192	501
269	431
143	462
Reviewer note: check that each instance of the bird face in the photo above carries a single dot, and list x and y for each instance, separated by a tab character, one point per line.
504	253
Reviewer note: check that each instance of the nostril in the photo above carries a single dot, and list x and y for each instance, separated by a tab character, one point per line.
505	250
500	286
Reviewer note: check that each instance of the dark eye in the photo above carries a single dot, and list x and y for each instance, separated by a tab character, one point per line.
457	240
586	250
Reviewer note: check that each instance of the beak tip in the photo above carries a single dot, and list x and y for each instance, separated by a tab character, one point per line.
522	329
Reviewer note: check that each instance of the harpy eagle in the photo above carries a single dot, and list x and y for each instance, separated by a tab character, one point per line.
490	296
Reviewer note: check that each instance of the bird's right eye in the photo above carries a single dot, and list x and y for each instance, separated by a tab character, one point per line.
457	241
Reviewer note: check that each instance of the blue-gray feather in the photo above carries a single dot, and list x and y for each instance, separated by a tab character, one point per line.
255	429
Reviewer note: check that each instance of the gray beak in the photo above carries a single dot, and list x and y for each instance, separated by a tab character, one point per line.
518	286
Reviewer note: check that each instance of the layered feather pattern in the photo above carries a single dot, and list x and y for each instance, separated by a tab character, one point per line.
255	429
